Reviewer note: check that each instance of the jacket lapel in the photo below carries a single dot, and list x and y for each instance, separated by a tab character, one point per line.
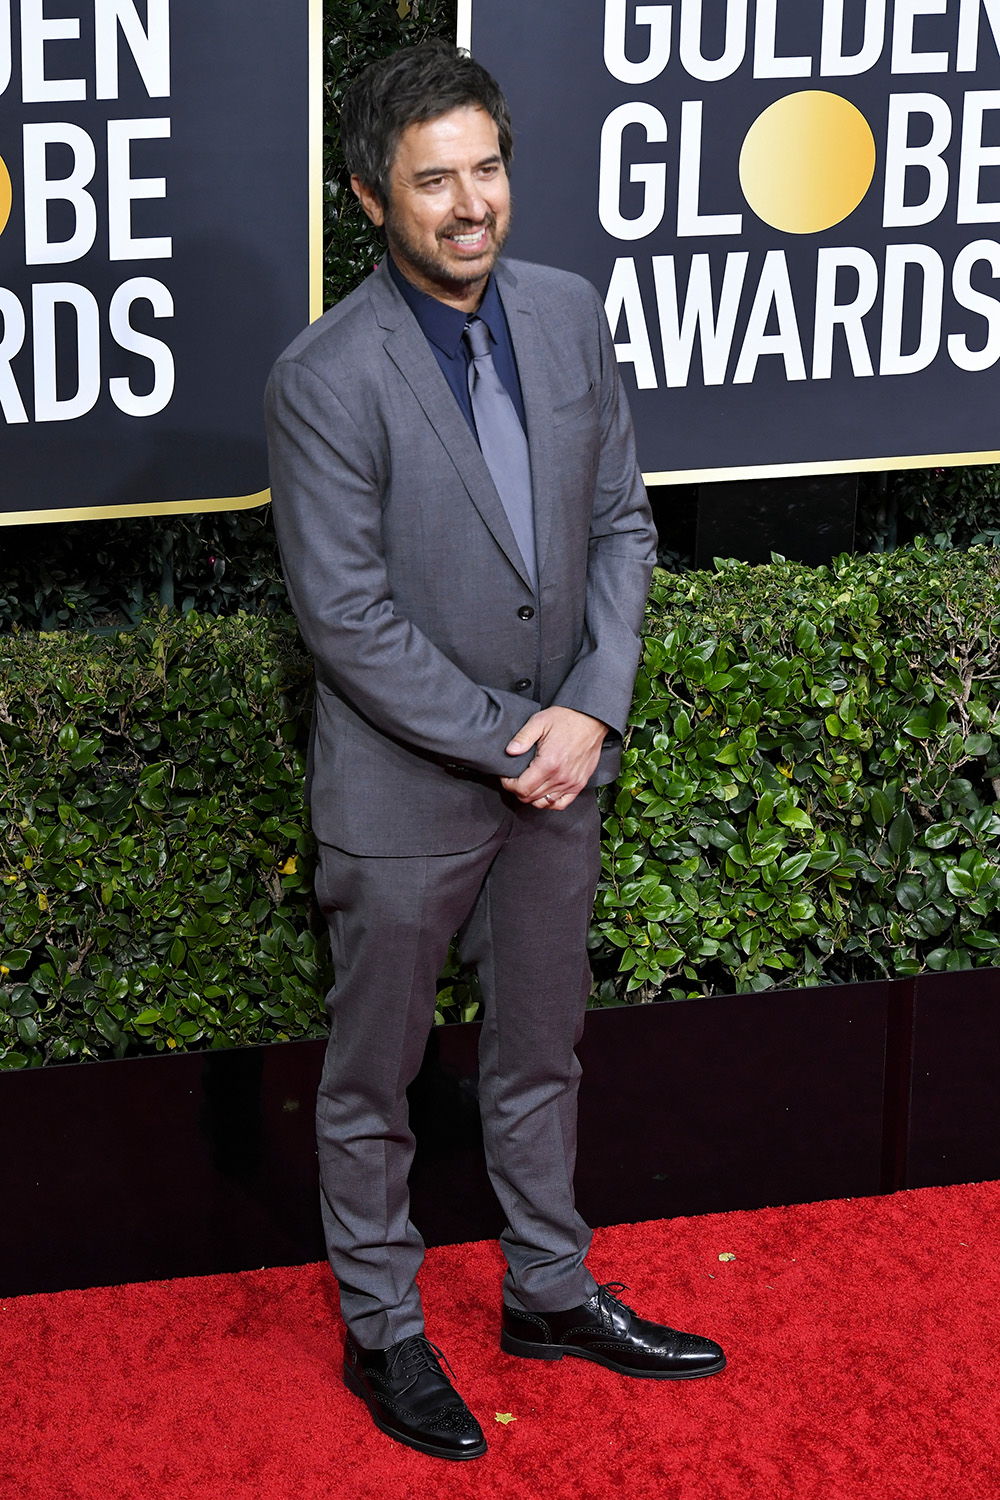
407	347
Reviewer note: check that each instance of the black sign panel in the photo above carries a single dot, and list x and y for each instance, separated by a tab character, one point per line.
159	229
791	207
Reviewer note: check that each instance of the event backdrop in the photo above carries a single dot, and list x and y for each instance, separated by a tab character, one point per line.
791	208
159	245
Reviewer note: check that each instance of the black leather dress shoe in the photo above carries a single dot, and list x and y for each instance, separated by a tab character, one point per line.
411	1398
605	1330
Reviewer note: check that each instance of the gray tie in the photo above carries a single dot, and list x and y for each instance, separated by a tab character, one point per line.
503	443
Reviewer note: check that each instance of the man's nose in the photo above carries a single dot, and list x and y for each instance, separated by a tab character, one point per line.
469	201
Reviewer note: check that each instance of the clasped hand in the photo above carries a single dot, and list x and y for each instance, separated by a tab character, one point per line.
568	745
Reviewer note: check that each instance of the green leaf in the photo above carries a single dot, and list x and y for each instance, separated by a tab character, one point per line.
794	867
901	833
979	744
107	1026
940	835
16	958
793	817
728	756
986	941
960	882
881	807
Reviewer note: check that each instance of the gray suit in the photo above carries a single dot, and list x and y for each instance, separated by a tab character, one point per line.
431	652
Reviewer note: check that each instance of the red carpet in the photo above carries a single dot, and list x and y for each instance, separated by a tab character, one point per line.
862	1340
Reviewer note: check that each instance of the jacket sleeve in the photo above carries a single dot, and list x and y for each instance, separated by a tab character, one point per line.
326	493
622	552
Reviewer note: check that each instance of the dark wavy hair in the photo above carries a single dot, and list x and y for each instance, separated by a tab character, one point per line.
407	87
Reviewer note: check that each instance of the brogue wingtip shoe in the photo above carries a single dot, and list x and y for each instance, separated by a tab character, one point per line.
411	1399
604	1330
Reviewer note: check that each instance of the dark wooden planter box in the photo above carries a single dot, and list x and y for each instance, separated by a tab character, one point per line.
205	1162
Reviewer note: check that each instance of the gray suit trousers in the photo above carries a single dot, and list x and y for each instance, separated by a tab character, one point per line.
522	903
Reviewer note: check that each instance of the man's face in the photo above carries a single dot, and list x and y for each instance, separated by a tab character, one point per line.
448	212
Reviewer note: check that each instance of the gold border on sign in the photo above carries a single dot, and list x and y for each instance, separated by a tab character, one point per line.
819	467
154	508
242	502
315	159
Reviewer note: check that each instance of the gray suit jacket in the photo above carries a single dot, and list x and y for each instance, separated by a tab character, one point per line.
404	574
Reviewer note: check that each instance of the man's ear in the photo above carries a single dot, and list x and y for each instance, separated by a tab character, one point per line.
369	200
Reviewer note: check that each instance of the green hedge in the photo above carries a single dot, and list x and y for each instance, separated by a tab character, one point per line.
810	787
958	507
808	796
154	864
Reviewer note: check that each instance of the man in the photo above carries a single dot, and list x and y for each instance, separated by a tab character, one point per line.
467	545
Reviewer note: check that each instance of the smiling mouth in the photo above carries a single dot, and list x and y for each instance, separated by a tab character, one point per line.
470	239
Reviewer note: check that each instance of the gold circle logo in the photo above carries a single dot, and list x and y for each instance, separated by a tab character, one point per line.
6	195
807	162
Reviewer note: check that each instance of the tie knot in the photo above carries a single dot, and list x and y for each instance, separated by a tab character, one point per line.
478	336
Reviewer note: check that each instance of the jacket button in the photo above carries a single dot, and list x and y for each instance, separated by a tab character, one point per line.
523	685
526	612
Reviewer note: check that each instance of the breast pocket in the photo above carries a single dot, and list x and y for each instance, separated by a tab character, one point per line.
579	407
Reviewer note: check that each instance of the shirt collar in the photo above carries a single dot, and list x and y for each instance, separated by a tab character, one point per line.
444	325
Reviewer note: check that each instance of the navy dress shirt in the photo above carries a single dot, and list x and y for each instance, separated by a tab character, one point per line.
443	327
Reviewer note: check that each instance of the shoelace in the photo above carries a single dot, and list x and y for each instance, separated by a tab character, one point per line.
417	1353
609	1293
